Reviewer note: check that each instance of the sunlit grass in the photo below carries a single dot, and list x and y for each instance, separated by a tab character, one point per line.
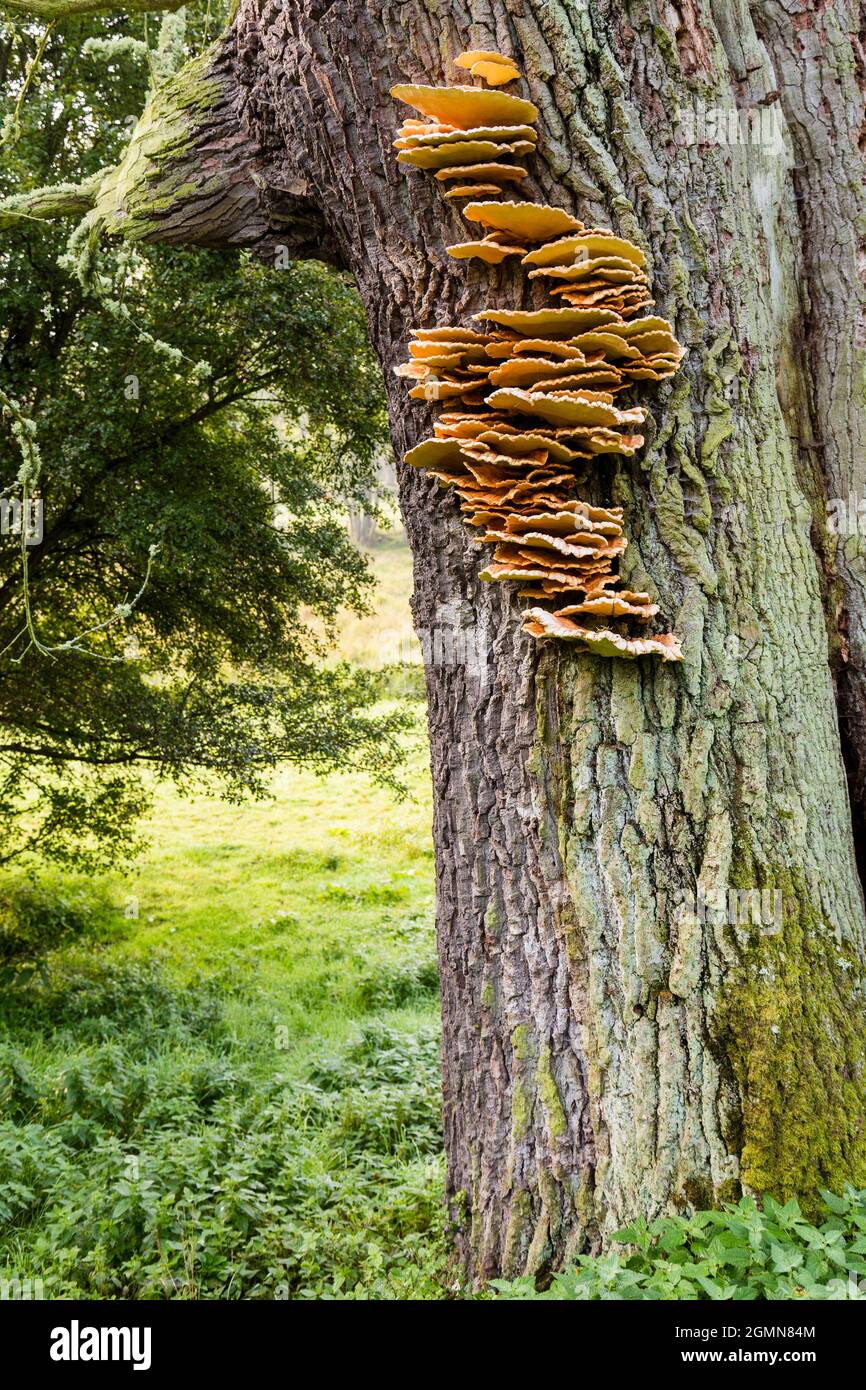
310	914
324	870
385	636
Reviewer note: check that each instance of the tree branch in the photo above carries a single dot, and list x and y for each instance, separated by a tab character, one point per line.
67	9
193	173
43	204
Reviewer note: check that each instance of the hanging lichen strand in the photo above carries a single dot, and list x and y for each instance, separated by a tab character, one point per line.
534	392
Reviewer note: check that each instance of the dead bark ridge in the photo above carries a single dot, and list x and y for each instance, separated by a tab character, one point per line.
508	452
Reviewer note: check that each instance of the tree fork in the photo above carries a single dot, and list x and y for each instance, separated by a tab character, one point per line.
193	173
617	1040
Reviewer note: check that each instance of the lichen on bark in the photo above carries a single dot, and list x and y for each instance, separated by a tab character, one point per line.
790	1021
155	172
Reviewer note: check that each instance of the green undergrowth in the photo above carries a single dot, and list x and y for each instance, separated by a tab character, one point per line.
147	1152
767	1251
219	1072
180	1125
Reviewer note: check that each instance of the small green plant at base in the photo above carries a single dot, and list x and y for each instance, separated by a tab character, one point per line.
745	1251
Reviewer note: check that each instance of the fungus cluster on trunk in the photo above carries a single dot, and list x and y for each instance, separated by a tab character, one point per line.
530	393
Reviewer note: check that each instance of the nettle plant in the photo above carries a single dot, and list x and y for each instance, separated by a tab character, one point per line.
745	1251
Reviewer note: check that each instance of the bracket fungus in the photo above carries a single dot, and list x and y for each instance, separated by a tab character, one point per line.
532	393
472	190
466	107
531	221
493	68
490	251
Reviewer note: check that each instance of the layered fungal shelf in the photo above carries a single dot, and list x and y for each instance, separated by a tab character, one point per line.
527	395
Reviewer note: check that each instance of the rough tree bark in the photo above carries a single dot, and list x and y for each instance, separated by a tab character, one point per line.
609	1048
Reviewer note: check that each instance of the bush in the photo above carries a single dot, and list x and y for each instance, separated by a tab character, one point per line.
393	984
745	1251
36	918
85	999
19	1093
402	680
378	1052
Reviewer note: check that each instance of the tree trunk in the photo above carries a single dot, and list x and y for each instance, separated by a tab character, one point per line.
618	1037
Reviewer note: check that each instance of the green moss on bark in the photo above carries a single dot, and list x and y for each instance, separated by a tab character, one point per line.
521	1111
518	1233
547	1089
791	1021
153	175
521	1043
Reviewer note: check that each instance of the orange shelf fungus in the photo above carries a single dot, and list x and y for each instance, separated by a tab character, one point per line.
472	190
600	640
531	221
427	137
531	393
460	153
494	173
490	251
493	68
467	106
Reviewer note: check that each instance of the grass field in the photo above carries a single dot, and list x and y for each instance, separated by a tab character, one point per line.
263	987
309	891
386	635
